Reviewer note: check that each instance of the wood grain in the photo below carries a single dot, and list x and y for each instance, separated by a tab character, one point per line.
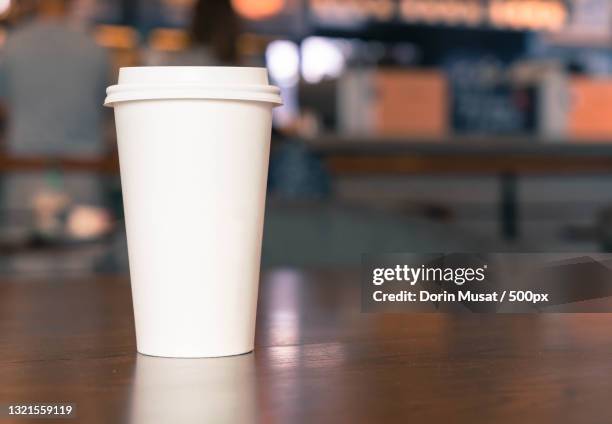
318	359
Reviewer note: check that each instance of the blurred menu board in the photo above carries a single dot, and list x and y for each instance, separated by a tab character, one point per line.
505	14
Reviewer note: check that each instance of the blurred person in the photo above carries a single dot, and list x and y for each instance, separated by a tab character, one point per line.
52	82
213	38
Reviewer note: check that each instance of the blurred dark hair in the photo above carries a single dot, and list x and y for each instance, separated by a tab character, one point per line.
216	25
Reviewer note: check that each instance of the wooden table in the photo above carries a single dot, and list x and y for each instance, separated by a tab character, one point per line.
317	360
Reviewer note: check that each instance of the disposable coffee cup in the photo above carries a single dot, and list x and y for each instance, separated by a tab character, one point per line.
193	150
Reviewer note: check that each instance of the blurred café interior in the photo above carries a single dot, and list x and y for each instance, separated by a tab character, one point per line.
408	125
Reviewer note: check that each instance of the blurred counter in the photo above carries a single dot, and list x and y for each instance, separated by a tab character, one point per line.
461	154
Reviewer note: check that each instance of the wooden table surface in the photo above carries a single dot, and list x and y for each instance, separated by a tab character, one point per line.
317	359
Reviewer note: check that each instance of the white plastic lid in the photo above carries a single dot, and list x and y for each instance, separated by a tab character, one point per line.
192	82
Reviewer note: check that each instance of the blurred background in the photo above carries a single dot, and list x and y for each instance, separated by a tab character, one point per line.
408	125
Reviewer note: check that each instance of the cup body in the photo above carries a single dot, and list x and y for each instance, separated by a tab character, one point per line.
193	174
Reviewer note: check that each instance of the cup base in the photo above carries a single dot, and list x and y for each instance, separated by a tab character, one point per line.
193	355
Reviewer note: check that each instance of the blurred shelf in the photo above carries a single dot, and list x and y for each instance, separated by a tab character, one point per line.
461	154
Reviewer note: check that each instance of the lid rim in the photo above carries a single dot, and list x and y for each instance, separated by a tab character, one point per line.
143	95
193	82
117	88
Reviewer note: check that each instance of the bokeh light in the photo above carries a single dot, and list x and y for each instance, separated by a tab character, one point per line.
5	6
283	61
258	9
321	58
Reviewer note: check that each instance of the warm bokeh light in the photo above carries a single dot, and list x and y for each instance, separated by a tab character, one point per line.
258	9
87	222
348	11
116	36
450	12
5	5
168	39
549	15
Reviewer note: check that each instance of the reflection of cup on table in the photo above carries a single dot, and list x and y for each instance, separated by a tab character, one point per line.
193	148
215	390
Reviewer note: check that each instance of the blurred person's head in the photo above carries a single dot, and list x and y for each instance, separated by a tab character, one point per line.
216	26
53	8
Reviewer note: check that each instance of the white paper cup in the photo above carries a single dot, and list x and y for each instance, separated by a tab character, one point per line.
193	150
